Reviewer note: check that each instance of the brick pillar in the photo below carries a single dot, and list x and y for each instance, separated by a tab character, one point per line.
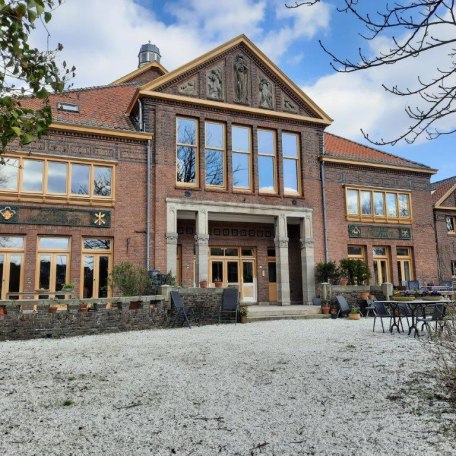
307	260
282	263
202	245
171	239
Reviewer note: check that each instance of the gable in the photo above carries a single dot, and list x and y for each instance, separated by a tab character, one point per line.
237	74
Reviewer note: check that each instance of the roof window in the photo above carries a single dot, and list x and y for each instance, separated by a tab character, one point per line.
68	107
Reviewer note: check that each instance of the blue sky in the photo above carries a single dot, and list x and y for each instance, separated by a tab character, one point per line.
102	40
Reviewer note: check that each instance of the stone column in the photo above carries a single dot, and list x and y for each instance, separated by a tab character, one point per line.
282	263
171	240
307	260
202	245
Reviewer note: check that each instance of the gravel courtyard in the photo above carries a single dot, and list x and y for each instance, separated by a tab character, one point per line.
304	387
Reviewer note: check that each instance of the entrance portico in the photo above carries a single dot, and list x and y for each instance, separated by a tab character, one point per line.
204	212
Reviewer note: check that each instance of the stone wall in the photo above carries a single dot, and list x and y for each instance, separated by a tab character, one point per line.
30	319
352	293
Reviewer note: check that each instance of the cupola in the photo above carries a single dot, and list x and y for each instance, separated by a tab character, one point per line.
148	53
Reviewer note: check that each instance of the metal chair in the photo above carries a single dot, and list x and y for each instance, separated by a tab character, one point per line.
380	311
447	283
230	305
344	308
182	312
316	301
404	312
413	285
437	316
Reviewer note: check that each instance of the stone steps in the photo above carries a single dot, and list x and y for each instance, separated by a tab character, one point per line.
266	313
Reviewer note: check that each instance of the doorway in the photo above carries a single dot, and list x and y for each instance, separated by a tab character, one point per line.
97	265
381	265
11	266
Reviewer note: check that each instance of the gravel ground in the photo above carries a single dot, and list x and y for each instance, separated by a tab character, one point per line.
304	387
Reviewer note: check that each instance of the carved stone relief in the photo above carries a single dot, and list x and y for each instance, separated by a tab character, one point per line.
265	88
241	80
188	87
214	83
289	106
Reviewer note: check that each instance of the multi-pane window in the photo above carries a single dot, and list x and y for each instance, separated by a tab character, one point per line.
378	205
186	151
96	267
291	163
267	161
215	154
357	252
11	266
241	157
55	178
450	222
404	264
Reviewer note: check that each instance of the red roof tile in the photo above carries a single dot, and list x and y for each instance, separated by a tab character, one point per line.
441	187
102	107
339	147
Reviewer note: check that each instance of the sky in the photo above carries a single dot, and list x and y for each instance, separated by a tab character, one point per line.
102	39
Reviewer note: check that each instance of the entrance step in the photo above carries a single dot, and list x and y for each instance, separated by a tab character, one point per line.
265	313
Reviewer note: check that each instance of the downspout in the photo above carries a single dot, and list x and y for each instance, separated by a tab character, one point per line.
323	193
439	271
148	186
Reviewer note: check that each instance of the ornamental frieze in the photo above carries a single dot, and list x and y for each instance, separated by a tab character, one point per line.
24	215
380	232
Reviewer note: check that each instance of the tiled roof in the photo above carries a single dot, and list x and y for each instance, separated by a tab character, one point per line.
441	187
338	147
101	107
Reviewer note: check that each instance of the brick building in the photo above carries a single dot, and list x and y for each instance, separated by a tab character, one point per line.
219	170
444	198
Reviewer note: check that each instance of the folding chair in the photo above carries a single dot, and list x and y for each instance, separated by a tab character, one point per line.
344	308
182	312
230	304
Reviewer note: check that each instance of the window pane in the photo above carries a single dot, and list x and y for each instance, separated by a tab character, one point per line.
214	167
97	244
379	251
15	273
241	139
2	266
241	170
45	272
271	252
32	176
80	179
54	243
102	177
402	251
56	177
404	210
247	252
266	173
379	206
217	271
266	142
290	176
391	205
366	207
232	272
215	251
355	250
60	271
272	273
214	135
8	174
290	145
231	252
88	276
186	157
247	272
450	224
407	275
11	242
186	131
103	275
352	202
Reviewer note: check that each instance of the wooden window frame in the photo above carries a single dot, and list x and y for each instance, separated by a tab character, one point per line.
453	219
70	198
196	146
298	163
223	151
405	259
361	257
7	252
274	191
378	218
248	153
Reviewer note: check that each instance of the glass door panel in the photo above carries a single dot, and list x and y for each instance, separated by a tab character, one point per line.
2	279
44	281
89	263
103	274
272	278
248	281
232	272
217	271
96	272
15	268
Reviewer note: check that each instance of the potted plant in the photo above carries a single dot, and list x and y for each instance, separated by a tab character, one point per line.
327	272
354	313
244	312
203	283
334	312
325	308
431	295
68	286
218	282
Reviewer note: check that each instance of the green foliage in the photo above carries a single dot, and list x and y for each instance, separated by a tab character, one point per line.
356	271
327	272
25	70
243	311
129	279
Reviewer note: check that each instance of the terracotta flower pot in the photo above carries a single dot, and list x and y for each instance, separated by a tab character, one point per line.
218	284
203	284
325	310
243	318
354	316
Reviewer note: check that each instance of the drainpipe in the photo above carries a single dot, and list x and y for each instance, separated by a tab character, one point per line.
437	249
148	206
323	193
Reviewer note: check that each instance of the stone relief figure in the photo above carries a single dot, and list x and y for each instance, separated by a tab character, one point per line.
289	106
241	79
188	87
215	83
265	93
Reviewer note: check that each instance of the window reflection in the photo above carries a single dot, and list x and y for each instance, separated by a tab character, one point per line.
241	157
241	138
56	177
9	171
391	205
215	152
379	205
97	244
80	179
290	162
11	242
266	160
352	202
54	243
32	176
404	210
186	153
102	181
366	207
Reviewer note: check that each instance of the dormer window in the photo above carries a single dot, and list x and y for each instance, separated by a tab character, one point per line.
68	107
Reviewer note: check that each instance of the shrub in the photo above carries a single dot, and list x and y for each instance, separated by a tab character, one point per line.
327	272
129	279
356	271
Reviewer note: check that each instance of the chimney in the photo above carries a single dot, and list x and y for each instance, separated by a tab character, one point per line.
148	53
